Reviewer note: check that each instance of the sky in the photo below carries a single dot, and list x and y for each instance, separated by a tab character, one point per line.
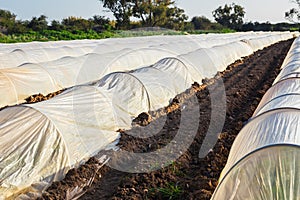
256	10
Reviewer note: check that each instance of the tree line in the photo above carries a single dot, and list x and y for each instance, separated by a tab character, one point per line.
10	25
131	14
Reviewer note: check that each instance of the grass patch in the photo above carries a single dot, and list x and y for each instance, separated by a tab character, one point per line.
53	35
170	192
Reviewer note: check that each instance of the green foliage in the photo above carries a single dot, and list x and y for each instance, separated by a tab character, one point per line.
230	16
37	28
100	23
152	13
201	23
121	9
204	24
7	15
7	21
38	24
56	25
146	32
257	26
75	23
53	35
175	18
159	13
170	191
267	26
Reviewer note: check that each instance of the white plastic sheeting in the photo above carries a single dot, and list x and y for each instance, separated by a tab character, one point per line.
207	61
290	67
284	94
28	50
19	83
250	178
40	142
259	43
202	53
18	57
81	121
50	137
264	159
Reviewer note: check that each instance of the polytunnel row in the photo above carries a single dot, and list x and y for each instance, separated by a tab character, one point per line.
50	76
53	136
13	55
40	142
23	54
6	48
264	160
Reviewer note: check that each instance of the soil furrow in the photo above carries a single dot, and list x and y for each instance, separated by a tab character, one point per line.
189	177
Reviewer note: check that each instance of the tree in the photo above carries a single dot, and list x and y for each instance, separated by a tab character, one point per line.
100	23
9	24
152	13
56	25
265	26
159	13
230	16
293	14
201	23
175	18
121	9
76	24
7	21
249	26
38	24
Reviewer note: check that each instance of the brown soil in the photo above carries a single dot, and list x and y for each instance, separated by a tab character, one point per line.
189	177
37	98
40	97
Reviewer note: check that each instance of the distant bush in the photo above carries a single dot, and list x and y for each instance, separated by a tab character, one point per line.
52	35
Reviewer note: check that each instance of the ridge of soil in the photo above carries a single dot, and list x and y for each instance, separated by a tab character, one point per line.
36	98
189	177
40	97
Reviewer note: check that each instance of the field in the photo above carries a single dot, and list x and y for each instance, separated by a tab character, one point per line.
162	117
189	177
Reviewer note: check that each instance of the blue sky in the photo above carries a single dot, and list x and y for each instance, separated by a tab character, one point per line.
256	10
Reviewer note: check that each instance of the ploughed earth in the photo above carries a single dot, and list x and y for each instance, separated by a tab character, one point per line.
178	152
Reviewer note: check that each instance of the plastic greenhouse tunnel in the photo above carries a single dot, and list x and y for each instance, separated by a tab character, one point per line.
264	160
108	83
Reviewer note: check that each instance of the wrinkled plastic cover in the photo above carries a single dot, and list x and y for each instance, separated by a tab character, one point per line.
17	78
128	100
286	101
42	141
278	96
19	56
274	127
264	159
272	171
288	71
45	69
181	75
31	150
66	130
52	76
158	85
269	173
